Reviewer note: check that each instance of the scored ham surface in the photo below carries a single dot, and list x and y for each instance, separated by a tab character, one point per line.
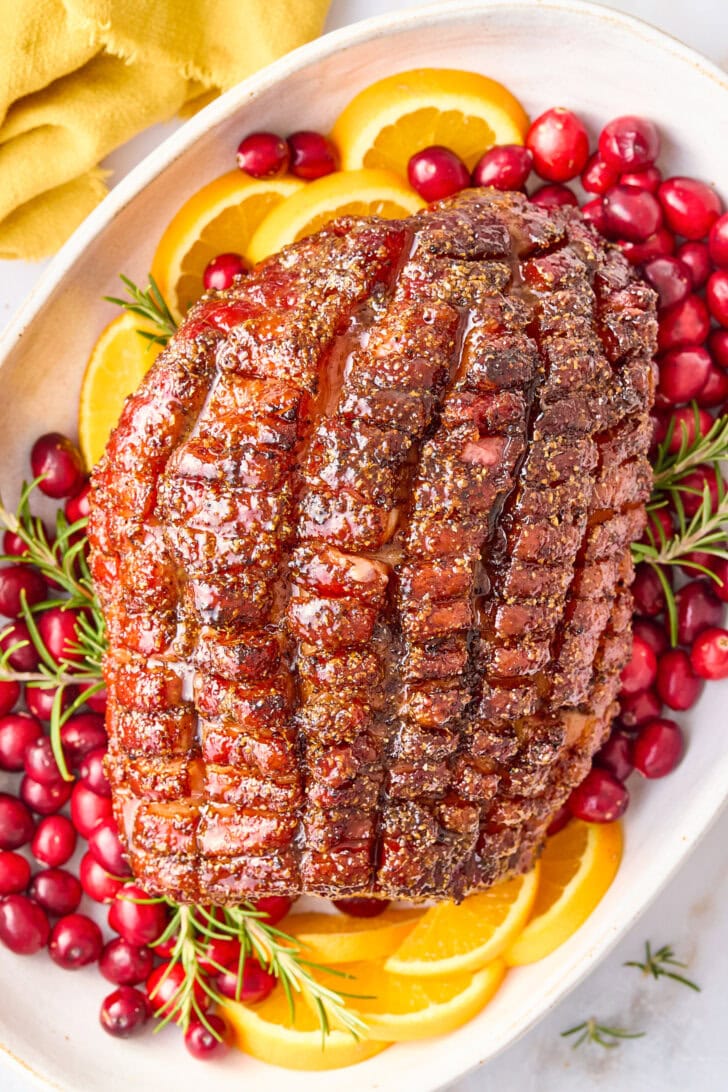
361	539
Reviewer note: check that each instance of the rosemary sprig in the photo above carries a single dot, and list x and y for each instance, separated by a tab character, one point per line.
591	1031
659	964
148	304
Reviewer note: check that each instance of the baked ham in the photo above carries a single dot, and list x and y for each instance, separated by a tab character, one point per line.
362	543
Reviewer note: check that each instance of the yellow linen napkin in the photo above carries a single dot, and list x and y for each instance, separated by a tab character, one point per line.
80	77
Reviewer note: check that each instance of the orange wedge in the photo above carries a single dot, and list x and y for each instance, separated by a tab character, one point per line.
218	219
395	117
577	867
455	939
119	361
341	938
343	193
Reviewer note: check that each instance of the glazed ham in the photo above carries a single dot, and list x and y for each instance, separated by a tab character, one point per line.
362	542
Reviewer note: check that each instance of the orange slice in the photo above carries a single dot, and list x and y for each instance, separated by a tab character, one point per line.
577	867
395	117
343	193
455	939
119	361
342	938
218	219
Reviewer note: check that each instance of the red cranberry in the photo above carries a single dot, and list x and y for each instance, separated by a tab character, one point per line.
222	270
312	155
629	143
506	167
709	655
60	463
688	424
125	964
558	821
649	598
164	989
92	773
553	196
17	732
598	176
559	143
96	699
124	1012
715	389
687	323
670	279
54	841
45	799
105	846
697	557
13	545
56	890
96	881
631	213
9	694
263	155
78	506
16	822
138	922
691	207
362	908
616	755
648	179
720	587
600	798
209	1040
80	734
677	684
165	949
693	485
698	608
221	955
718	242
652	633
57	628
40	762
697	258
75	942
636	709
254	985
662	242
18	584
593	213
25	657
88	809
24	927
641	671
275	907
40	699
14	873
683	372
437	172
716	293
658	748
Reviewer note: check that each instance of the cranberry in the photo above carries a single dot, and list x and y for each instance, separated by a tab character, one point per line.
677	684
649	597
361	908
716	293
25	657
696	257
641	671
88	809
715	389
96	881
78	506
9	694
436	172
263	155
221	955
720	587
506	167
57	628
636	709
16	822
96	699
222	270
693	485
125	964
164	989
670	279
593	213
40	762
648	179
553	196
616	755
75	942
687	323
254	985
124	1012
92	773
105	846
80	734
17	732
24	927
18	584
718	242
45	799
54	841
60	463
208	1040
14	873
683	372
138	922
559	143
698	608
662	242
629	143
709	655
697	557
600	798
687	423
165	949
40	699
691	207
658	748
631	213
56	890
312	155
275	907
14	545
558	820
598	176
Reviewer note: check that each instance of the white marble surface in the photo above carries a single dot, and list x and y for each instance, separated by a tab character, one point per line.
686	1046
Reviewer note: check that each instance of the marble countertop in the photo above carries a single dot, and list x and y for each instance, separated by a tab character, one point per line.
685	1046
